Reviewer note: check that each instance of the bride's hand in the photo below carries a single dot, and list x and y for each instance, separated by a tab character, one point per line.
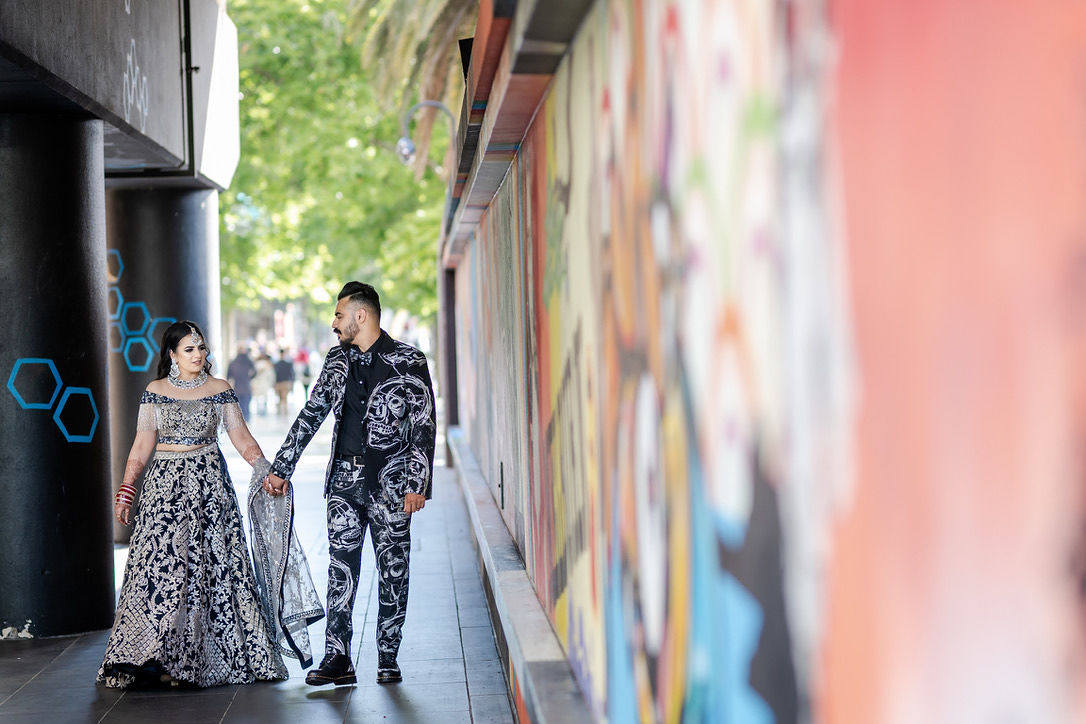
274	485
122	511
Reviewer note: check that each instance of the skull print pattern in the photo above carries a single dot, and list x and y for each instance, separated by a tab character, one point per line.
393	400
368	491
350	512
400	415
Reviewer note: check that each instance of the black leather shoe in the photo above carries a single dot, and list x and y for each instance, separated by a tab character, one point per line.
387	670
334	669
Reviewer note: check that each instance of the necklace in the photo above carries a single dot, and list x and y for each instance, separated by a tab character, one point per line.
192	384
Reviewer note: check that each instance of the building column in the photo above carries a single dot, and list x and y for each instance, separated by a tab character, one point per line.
55	508
163	266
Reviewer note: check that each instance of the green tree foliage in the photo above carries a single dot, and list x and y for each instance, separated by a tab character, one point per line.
319	197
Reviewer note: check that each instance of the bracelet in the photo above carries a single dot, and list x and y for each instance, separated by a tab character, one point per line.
125	494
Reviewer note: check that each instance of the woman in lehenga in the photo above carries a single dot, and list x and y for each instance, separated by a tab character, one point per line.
192	612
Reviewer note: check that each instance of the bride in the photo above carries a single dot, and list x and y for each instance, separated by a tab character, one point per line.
192	611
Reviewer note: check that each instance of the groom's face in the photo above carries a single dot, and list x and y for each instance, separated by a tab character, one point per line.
346	324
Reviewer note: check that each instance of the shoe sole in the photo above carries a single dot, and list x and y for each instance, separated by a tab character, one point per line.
324	680
389	679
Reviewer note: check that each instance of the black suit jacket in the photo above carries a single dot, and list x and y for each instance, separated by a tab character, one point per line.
399	426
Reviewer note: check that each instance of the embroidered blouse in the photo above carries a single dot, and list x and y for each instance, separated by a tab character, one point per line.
189	422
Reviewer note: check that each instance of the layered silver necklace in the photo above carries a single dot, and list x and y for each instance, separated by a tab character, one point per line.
174	377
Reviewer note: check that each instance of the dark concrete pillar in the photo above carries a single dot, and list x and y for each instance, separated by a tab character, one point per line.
56	556
163	266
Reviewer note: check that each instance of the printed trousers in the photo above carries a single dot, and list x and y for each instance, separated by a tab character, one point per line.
352	508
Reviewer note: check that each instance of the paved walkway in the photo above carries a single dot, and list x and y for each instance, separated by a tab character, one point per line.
449	660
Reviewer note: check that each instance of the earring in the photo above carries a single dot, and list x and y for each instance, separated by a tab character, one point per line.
175	371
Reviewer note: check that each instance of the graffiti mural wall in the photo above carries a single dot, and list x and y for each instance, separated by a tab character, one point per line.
725	379
624	360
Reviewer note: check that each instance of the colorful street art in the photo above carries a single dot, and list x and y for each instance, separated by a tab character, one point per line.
624	357
728	356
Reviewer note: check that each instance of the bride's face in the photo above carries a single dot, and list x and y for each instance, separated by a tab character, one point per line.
190	356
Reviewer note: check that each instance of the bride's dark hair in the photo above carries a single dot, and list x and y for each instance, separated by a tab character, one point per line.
171	338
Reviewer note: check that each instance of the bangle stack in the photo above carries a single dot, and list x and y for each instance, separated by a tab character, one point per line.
126	494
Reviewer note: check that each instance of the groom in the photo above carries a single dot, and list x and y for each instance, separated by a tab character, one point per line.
382	462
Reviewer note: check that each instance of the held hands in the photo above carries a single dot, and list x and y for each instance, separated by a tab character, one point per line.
413	502
275	485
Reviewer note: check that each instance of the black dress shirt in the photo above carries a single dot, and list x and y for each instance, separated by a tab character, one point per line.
355	395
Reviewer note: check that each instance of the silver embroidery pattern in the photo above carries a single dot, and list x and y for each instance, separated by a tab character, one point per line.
189	599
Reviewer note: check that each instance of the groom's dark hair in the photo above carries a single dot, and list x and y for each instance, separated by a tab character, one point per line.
363	294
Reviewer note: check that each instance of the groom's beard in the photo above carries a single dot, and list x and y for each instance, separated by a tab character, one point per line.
347	335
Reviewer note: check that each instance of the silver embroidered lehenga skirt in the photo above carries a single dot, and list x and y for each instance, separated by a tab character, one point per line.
190	606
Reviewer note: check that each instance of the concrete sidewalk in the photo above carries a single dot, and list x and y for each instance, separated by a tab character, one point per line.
449	659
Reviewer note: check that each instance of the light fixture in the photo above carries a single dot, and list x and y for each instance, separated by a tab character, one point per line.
405	147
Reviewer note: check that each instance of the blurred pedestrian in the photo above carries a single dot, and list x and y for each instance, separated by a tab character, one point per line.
240	373
307	378
284	380
262	382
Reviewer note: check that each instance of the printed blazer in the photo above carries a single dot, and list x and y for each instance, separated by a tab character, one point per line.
399	425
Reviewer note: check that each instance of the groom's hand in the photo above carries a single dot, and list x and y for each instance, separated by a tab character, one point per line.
274	484
413	502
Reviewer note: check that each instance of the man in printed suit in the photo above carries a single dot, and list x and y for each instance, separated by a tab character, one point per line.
380	473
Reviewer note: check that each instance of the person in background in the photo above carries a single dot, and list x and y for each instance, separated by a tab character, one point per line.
307	378
240	373
284	380
262	382
301	368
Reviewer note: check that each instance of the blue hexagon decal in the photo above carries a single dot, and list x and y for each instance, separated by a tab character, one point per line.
114	302
114	266
69	435
157	328
116	337
135	363
13	386
144	318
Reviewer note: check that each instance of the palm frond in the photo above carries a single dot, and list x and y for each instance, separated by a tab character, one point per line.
410	45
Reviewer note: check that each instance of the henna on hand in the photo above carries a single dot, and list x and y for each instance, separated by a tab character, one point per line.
252	453
133	469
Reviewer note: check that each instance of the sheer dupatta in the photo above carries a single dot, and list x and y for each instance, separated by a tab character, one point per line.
282	573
